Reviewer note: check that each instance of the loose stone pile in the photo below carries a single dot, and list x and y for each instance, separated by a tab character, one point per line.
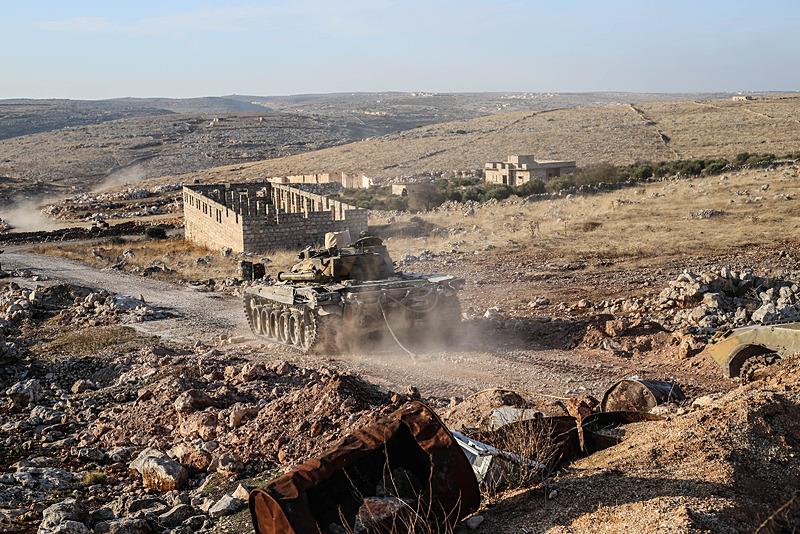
71	305
705	302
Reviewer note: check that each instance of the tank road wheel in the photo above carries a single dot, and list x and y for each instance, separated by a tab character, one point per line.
295	329
263	320
309	336
283	327
274	325
249	311
447	320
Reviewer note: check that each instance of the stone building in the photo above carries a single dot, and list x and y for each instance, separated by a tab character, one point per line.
260	217
742	98
347	180
519	170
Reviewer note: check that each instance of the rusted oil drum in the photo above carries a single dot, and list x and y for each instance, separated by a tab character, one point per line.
633	395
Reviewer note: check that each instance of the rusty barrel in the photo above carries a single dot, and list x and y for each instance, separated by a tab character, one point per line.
634	395
332	491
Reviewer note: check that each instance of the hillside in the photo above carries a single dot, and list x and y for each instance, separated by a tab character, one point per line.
613	133
23	116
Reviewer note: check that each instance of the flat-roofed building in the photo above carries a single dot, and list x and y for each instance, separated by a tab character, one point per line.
518	170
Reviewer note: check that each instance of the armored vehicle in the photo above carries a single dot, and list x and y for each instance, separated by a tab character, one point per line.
742	351
335	298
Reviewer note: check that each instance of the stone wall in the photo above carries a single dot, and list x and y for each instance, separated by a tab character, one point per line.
266	216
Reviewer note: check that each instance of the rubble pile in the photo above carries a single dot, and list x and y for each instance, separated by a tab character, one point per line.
139	439
706	302
215	417
126	203
71	305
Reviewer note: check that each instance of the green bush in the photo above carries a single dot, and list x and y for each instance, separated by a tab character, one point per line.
499	192
562	182
532	187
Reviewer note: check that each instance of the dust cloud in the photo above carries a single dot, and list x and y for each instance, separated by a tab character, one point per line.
25	215
127	175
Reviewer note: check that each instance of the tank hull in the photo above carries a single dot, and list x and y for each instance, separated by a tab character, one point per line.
338	317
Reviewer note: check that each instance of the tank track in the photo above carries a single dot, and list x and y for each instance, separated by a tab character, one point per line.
291	325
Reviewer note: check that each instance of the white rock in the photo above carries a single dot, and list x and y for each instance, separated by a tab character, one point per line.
159	471
227	505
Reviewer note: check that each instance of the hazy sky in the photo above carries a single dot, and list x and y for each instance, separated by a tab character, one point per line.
100	49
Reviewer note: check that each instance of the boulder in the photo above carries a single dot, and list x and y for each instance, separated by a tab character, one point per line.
227	505
192	400
128	526
253	371
239	411
25	393
65	517
765	314
229	464
202	424
176	515
83	385
158	471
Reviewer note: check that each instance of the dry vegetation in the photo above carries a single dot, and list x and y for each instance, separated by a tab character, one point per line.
614	133
647	221
179	257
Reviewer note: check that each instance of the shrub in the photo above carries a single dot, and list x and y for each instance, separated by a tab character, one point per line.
562	182
533	187
156	232
498	192
641	172
94	477
424	197
715	166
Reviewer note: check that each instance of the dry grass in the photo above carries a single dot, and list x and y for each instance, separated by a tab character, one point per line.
88	341
94	477
725	128
648	221
178	255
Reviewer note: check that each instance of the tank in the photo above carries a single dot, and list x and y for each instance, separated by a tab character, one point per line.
333	299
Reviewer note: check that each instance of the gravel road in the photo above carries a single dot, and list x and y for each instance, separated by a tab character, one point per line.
477	363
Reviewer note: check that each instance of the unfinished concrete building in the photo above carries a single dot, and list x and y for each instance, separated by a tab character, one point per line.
347	180
260	217
519	170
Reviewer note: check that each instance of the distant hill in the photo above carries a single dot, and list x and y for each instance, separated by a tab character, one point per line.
613	133
27	116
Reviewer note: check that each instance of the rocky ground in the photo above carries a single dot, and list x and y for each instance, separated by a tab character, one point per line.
107	430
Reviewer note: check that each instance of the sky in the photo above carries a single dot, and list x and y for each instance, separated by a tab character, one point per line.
89	49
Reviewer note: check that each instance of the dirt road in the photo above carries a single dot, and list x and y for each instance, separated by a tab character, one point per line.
198	315
482	359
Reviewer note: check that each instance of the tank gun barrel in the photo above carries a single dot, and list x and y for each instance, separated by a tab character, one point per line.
301	277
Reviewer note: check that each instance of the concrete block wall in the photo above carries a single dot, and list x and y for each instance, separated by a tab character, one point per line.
263	217
211	224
